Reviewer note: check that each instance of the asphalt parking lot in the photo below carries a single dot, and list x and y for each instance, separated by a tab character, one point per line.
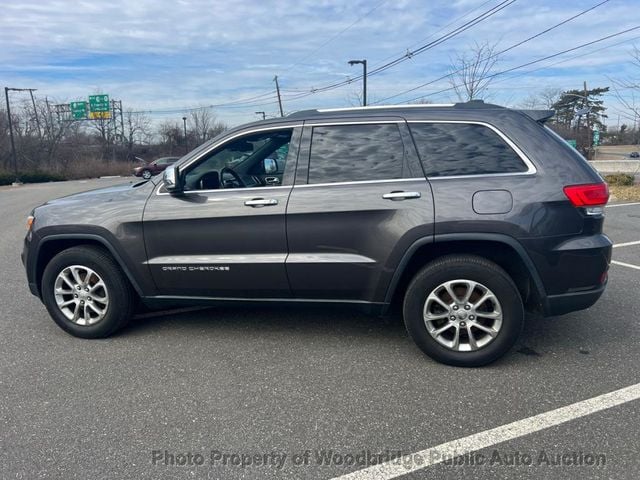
226	385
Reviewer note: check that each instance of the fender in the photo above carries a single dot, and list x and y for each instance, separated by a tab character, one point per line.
453	237
87	236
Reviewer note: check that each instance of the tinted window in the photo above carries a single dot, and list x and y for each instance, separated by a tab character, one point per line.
463	149
347	153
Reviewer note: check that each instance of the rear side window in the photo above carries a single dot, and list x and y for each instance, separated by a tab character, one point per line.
351	153
450	149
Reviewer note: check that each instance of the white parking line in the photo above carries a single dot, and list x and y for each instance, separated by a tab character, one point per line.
622	204
623	264
627	244
434	455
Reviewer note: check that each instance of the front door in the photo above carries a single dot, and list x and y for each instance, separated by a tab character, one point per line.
225	236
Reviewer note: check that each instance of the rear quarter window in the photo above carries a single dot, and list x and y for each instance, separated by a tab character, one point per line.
454	149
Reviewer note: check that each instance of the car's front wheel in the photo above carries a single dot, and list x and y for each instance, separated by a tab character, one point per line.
146	174
463	310
86	293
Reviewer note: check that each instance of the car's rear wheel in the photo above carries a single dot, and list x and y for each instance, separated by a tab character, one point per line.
463	310
86	293
146	174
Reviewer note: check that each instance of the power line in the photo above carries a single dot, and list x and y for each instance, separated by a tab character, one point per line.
536	61
240	103
437	31
335	36
410	54
515	45
248	102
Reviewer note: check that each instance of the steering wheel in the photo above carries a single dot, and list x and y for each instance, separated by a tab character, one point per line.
235	176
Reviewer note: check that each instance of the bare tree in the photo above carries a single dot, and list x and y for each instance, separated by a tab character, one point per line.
627	91
136	130
544	99
171	134
203	125
471	70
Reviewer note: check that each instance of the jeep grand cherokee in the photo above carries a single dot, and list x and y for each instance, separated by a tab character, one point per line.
468	215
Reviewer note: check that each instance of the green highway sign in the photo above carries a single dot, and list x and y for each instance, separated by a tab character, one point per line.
99	106
78	110
572	142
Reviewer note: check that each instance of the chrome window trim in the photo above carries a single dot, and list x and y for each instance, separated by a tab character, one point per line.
360	182
222	142
531	168
239	134
250	189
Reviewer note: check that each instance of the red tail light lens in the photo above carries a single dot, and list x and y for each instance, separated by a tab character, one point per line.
589	195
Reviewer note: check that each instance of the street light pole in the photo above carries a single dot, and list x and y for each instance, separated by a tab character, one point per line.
364	78
264	114
186	143
13	145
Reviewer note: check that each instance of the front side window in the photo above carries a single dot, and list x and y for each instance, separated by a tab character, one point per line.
451	149
255	160
351	153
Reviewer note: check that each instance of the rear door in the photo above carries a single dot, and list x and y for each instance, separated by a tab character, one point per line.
360	199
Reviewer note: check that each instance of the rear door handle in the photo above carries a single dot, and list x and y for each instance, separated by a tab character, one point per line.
261	202
401	195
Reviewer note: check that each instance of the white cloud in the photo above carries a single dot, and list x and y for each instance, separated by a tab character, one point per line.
170	54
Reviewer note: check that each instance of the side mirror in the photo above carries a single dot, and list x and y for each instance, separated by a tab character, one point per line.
270	166
171	180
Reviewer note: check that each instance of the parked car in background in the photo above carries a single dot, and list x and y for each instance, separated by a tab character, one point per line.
157	166
634	155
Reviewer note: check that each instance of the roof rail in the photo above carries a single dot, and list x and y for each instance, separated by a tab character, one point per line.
372	107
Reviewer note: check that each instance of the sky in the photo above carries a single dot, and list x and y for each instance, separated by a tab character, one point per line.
166	57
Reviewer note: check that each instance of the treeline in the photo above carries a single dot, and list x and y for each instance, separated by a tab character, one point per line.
49	147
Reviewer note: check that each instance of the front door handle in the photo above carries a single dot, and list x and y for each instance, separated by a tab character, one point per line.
401	195
261	202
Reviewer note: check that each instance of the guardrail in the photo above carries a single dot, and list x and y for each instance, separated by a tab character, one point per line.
617	166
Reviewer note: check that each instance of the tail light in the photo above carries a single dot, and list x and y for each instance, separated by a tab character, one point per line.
592	196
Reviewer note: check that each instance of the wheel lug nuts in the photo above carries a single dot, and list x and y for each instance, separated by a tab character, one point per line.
455	307
75	295
467	307
77	287
471	317
452	318
90	299
86	289
463	324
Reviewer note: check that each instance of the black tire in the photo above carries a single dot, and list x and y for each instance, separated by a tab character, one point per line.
477	269
146	174
121	296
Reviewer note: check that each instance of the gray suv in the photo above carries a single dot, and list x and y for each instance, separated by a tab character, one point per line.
466	215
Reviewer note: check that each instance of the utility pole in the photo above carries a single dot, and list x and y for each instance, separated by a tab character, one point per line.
589	134
49	122
275	79
13	145
364	78
35	111
186	144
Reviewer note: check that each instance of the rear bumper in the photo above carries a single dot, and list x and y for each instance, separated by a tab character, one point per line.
571	302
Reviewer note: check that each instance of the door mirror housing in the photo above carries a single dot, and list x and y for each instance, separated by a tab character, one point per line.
270	166
172	181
